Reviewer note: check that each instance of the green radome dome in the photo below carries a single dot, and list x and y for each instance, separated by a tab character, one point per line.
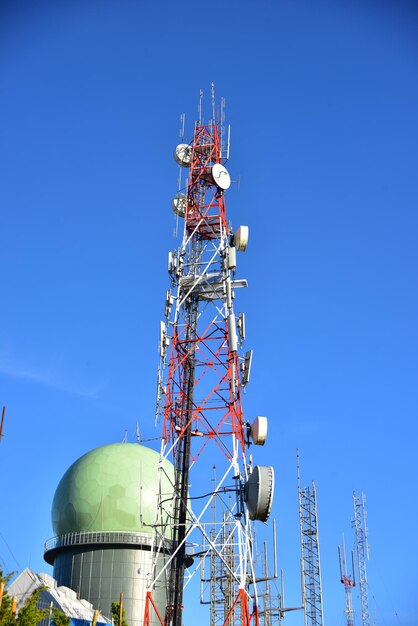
111	488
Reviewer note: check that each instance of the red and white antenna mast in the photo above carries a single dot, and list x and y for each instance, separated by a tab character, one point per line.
349	582
203	369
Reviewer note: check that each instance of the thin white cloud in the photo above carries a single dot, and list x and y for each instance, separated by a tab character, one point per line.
44	378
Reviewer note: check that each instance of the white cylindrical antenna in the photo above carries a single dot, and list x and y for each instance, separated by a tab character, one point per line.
228	293
275	550
213	101
266	571
232	258
232	333
344	562
341	565
222	124
182	121
282	587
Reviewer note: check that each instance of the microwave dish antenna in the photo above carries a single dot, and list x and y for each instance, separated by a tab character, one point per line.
221	176
258	493
183	154
179	203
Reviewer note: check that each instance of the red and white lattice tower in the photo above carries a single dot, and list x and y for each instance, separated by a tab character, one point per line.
205	526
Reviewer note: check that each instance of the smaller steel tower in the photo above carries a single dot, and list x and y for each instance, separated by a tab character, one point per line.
362	548
310	559
348	581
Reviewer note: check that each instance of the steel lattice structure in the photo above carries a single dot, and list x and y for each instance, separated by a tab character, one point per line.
201	374
310	557
362	549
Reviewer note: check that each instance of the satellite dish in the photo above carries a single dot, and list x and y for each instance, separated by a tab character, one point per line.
179	203
258	492
220	176
183	154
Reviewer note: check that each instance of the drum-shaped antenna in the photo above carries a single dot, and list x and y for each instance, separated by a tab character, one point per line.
258	492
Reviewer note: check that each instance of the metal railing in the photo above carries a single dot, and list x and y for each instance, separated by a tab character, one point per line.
104	537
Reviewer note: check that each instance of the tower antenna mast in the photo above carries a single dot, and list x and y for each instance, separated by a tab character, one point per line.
203	370
362	549
348	581
310	557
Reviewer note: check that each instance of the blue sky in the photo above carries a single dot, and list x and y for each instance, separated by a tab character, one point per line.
322	98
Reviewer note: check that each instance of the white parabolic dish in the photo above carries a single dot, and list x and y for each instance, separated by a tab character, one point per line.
183	154
221	176
179	204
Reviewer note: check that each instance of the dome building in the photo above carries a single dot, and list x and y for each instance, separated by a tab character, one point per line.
102	516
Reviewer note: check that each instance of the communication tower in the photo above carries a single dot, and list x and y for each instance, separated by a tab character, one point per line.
349	582
206	528
310	557
362	549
